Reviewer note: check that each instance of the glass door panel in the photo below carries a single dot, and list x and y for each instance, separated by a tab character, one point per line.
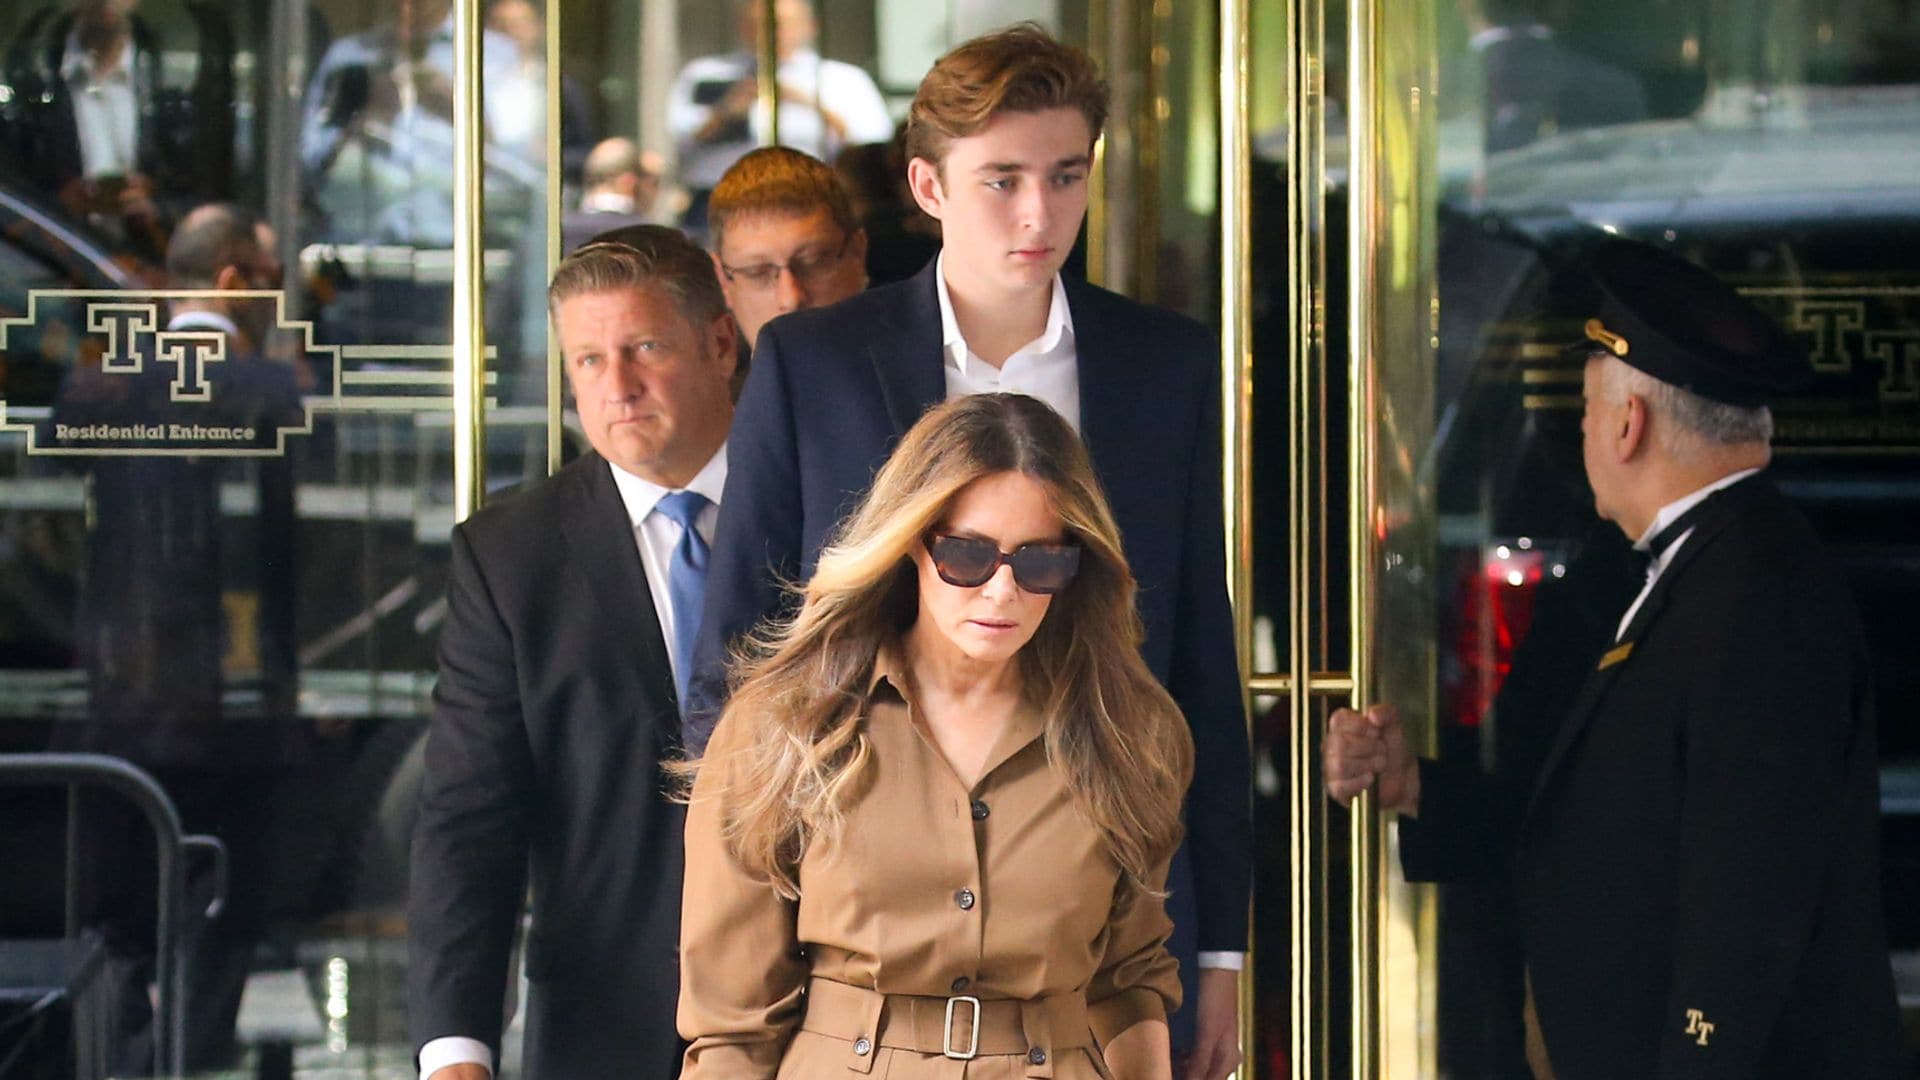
1772	148
227	461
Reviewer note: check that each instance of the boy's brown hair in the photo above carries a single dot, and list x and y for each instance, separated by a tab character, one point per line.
777	180
1019	69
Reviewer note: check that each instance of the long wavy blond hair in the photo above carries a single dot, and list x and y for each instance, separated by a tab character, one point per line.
793	734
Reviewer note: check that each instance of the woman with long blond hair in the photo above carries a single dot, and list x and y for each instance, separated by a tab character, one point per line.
935	819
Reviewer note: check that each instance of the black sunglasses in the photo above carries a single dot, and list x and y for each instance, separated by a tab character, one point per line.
968	562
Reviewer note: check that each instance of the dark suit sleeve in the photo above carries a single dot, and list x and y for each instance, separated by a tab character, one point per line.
1205	680
1469	819
470	844
1767	733
757	541
1466	825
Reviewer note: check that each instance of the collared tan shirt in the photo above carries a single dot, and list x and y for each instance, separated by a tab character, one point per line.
1001	890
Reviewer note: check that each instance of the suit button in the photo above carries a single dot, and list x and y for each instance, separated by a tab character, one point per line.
965	899
1036	1056
862	1046
960	984
980	810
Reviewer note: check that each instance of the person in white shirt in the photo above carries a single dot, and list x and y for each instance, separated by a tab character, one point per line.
571	609
713	108
376	135
90	121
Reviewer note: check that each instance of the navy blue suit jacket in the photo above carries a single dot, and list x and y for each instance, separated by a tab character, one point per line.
831	392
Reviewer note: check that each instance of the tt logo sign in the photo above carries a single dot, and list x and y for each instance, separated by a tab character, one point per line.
1698	1026
189	351
98	373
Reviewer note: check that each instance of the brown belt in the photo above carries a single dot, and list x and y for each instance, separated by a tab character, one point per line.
959	1027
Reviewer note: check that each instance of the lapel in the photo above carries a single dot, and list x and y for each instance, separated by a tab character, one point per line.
905	353
1114	387
1728	506
601	545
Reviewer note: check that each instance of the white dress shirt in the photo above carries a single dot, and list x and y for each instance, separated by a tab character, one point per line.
658	536
106	109
1048	367
1667	515
839	87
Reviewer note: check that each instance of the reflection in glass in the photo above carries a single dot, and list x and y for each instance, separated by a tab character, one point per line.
223	506
1772	150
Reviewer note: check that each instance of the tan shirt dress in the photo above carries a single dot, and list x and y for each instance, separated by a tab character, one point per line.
1001	891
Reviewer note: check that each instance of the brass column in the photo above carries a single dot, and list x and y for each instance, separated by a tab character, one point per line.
1364	827
768	70
556	364
1236	383
469	319
1310	1052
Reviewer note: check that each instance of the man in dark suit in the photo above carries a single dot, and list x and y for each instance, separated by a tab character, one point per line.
1001	137
160	628
570	609
1696	855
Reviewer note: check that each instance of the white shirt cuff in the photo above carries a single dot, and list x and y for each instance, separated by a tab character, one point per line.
1230	961
453	1050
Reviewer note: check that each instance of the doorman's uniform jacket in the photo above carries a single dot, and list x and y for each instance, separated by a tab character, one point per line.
1697	862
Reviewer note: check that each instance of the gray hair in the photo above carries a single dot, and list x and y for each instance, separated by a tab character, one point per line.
1691	422
639	256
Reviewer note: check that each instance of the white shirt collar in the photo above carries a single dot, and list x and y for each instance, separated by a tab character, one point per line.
606	202
1058	331
203	320
77	63
1493	35
1672	511
640	495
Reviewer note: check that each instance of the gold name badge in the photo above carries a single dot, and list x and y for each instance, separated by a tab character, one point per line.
1698	1026
1615	655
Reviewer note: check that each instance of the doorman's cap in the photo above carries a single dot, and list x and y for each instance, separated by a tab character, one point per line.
1683	326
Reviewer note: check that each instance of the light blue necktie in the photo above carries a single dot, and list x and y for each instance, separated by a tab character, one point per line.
686	578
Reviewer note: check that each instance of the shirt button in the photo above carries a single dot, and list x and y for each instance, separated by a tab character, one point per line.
980	810
1036	1056
965	899
960	984
862	1046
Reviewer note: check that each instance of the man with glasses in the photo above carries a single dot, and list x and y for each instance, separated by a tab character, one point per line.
784	237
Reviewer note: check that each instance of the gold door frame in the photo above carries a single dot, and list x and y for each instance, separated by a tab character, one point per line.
469	318
1390	320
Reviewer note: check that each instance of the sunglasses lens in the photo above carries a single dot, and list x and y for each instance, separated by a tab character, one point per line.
1045	568
963	561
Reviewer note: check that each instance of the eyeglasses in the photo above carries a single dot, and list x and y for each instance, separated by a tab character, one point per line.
806	267
968	562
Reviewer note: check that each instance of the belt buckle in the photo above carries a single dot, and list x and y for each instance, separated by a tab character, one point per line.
946	1037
